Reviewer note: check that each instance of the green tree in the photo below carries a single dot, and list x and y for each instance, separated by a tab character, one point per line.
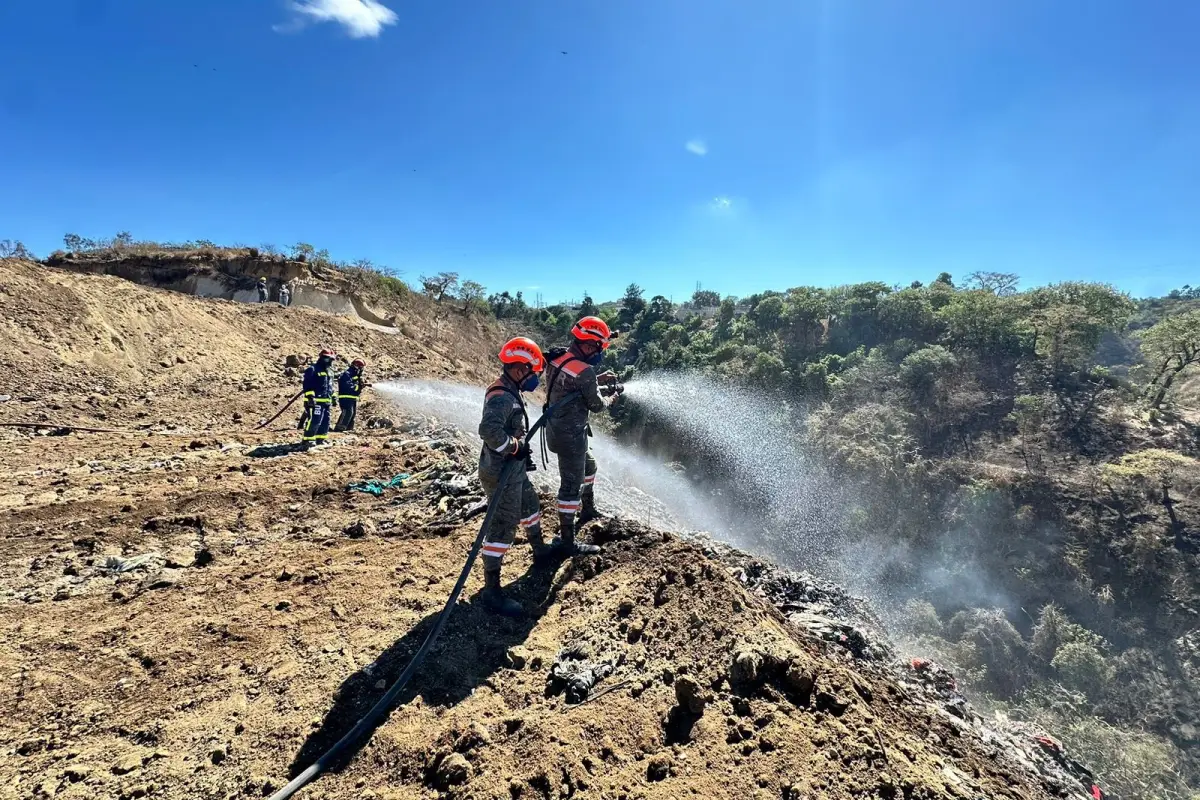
632	304
854	320
588	307
471	294
1001	283
440	286
805	315
1069	319
907	314
767	313
302	251
725	316
987	324
705	298
1171	348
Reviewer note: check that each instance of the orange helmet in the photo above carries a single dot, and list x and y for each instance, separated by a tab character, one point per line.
592	329
522	350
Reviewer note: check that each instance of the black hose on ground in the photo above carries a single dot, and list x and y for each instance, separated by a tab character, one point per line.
286	406
510	470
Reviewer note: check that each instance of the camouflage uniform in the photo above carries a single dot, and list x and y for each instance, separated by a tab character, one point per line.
504	421
567	434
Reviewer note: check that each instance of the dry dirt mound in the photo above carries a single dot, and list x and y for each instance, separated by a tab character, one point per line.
200	616
104	349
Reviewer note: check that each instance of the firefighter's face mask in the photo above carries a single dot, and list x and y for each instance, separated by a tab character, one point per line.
595	357
529	382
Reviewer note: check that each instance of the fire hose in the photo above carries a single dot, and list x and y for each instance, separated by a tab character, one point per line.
510	470
286	406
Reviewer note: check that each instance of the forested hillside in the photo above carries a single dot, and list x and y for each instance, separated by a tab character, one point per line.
1046	435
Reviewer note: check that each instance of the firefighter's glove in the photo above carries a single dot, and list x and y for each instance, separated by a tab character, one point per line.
606	377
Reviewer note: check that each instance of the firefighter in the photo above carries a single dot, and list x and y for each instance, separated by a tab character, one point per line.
262	290
350	386
318	399
502	429
567	430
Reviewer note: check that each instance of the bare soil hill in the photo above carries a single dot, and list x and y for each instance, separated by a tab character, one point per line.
188	609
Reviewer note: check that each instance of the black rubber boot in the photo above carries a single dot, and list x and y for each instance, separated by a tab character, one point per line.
494	599
588	511
542	552
565	545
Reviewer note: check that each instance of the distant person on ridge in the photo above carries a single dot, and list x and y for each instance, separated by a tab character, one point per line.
350	386
262	290
285	295
503	429
318	399
567	430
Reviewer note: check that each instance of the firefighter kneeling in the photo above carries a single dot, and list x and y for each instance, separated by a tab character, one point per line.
502	429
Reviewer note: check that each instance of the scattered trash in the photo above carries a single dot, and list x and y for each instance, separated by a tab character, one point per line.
359	529
377	488
455	485
145	561
573	674
823	609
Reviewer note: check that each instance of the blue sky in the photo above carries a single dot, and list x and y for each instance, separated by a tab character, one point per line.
744	145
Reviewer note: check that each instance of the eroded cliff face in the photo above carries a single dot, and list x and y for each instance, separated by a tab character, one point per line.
232	275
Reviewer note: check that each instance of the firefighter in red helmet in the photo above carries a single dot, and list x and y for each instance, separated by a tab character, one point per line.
318	399
574	370
502	428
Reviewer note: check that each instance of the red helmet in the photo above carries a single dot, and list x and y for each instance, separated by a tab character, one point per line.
328	353
522	350
592	329
358	362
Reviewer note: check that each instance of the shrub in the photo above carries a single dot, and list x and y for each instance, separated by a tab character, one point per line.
1081	666
922	618
1130	763
1001	650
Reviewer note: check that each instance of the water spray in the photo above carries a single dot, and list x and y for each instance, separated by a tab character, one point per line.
630	483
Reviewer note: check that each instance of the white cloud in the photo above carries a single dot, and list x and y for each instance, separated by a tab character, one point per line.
697	147
361	18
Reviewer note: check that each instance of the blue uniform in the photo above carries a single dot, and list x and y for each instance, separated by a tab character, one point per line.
350	384
318	398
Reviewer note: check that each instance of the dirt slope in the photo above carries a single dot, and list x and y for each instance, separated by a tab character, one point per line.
200	615
69	336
